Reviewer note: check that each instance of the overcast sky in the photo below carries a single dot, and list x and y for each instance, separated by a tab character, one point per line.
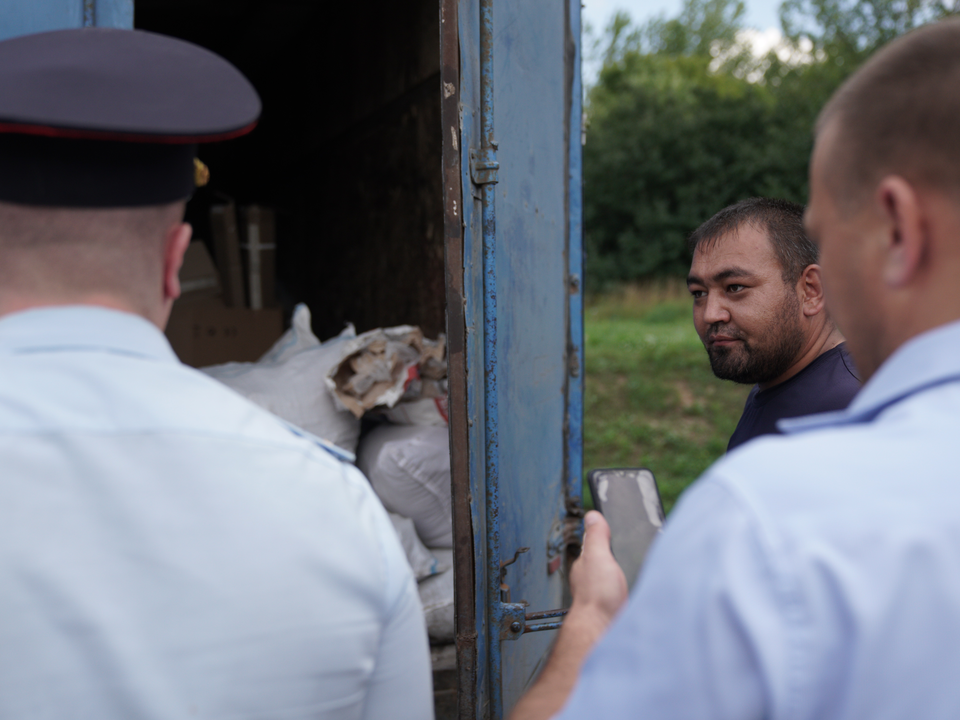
760	15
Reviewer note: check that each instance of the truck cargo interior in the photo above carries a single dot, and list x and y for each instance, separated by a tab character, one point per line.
347	156
347	152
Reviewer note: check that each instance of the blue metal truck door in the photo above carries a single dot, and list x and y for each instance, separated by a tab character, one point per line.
511	122
22	17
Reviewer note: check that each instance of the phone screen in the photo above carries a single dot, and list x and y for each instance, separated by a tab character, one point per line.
630	501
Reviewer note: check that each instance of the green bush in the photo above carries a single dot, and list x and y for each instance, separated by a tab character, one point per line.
669	144
681	123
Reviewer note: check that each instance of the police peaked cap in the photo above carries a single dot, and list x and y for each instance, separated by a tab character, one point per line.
102	117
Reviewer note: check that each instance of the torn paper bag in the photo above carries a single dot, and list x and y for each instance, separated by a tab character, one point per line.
380	365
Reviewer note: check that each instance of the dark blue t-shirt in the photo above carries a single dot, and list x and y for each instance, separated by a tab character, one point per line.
828	383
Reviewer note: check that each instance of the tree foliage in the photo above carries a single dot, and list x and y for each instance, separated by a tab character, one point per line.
684	120
850	30
667	130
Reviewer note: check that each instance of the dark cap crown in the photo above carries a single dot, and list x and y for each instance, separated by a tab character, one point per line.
107	117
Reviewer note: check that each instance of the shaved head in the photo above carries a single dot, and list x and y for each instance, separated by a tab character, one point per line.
899	115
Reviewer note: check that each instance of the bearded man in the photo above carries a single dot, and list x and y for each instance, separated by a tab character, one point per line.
758	308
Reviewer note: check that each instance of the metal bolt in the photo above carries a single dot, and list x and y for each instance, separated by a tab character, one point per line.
515	627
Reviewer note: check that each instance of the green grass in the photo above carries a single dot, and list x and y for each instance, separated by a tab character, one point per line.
650	397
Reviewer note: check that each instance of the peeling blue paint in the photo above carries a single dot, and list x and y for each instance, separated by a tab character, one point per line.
526	449
33	16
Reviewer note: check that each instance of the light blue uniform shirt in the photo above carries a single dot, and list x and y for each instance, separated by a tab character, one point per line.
809	576
169	550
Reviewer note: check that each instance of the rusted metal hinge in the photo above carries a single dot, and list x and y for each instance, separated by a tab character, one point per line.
484	165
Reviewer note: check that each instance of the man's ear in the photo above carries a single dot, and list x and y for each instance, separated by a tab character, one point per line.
810	288
904	230
174	246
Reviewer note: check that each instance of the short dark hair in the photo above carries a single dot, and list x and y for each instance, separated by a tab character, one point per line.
782	221
898	114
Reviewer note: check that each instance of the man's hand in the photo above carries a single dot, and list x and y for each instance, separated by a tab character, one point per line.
599	591
596	580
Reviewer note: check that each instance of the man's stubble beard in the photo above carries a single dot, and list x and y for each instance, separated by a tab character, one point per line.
748	363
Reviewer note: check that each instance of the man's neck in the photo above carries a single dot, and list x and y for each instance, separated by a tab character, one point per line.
826	340
12	303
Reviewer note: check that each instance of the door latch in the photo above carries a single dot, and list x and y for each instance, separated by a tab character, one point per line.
514	620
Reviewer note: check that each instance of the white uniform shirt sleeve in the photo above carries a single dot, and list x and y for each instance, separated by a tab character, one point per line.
702	629
401	686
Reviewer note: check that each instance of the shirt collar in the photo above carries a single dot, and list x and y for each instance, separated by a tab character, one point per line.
82	327
929	359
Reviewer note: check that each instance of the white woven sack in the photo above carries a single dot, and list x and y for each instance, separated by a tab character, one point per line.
436	596
423	411
289	381
409	468
422	561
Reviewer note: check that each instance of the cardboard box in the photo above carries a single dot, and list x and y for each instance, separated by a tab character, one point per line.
204	331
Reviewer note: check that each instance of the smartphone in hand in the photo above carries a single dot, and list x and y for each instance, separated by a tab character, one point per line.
630	501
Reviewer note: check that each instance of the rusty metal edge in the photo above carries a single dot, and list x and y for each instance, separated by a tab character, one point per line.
573	256
464	573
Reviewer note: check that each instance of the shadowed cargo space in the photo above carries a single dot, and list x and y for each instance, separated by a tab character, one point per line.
347	153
